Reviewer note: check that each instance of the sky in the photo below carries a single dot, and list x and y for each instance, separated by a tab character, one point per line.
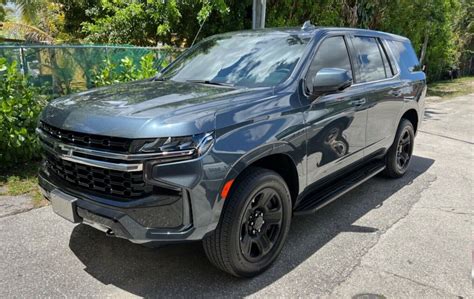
16	11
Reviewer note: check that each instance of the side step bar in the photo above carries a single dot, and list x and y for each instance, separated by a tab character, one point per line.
326	195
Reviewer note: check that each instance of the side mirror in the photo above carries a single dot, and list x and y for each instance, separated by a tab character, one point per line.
329	80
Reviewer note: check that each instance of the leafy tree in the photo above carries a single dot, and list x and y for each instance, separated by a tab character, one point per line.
20	105
3	11
464	31
75	13
441	30
40	21
143	22
294	13
112	73
29	9
26	32
441	25
430	22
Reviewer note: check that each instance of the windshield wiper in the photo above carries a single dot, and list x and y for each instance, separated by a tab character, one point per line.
211	82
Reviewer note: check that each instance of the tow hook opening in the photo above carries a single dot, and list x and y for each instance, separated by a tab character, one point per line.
107	230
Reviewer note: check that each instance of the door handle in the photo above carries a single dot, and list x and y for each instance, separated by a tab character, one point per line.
358	102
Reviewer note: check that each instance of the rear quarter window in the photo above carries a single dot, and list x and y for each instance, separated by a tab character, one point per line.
405	56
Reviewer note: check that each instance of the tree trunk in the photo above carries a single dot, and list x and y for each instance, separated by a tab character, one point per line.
423	49
350	13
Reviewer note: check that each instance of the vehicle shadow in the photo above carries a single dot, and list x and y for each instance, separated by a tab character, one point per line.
183	269
432	114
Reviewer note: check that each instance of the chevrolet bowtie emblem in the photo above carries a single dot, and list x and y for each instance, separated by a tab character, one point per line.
64	150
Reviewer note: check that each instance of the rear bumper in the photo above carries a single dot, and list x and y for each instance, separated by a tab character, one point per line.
150	224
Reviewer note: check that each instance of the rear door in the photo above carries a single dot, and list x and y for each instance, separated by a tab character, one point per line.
377	74
336	123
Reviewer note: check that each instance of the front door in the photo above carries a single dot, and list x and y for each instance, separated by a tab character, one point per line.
336	123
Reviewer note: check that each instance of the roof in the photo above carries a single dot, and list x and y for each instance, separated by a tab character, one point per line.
364	31
313	29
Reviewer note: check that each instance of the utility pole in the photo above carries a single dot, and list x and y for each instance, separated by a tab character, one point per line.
258	14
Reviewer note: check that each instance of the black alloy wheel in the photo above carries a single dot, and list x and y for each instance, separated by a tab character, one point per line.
404	149
398	157
261	224
254	224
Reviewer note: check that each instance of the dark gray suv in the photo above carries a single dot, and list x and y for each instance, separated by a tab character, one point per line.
235	137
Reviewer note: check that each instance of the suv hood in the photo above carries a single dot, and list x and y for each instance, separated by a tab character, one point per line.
143	109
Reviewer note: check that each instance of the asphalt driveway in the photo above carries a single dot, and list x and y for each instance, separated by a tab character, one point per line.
394	238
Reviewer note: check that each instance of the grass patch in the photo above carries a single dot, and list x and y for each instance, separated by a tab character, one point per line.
451	88
20	180
38	199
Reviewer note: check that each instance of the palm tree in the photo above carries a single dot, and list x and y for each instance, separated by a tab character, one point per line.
3	11
26	32
30	9
33	23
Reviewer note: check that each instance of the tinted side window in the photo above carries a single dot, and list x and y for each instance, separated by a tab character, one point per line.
370	59
405	54
332	54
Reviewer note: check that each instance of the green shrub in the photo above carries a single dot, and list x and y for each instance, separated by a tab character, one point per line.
20	105
126	71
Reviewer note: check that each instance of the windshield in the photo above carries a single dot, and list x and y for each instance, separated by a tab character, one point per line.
249	60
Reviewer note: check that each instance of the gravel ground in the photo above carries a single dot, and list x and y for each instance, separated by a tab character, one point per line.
394	238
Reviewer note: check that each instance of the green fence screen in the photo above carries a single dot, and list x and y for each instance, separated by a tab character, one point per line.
62	69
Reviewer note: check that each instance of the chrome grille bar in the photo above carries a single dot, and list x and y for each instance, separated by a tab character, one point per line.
69	153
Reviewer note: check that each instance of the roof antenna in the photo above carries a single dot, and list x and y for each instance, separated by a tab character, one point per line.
200	26
307	26
199	31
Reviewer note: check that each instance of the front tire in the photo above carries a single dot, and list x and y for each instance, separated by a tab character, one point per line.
398	157
254	224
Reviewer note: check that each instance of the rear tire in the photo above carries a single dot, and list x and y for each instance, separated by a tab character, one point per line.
253	226
398	157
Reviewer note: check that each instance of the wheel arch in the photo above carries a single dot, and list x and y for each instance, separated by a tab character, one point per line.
412	116
285	167
275	158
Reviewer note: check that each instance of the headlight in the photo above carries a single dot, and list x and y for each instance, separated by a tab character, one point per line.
175	148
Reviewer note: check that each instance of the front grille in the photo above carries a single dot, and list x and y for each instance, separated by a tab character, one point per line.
99	142
120	185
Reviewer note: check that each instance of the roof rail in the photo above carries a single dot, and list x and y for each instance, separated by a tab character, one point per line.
307	26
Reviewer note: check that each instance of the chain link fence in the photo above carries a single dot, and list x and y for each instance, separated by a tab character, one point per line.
63	69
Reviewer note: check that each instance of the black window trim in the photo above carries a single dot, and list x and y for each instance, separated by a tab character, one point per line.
390	57
384	60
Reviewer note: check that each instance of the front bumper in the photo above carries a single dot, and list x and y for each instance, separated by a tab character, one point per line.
172	220
141	197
